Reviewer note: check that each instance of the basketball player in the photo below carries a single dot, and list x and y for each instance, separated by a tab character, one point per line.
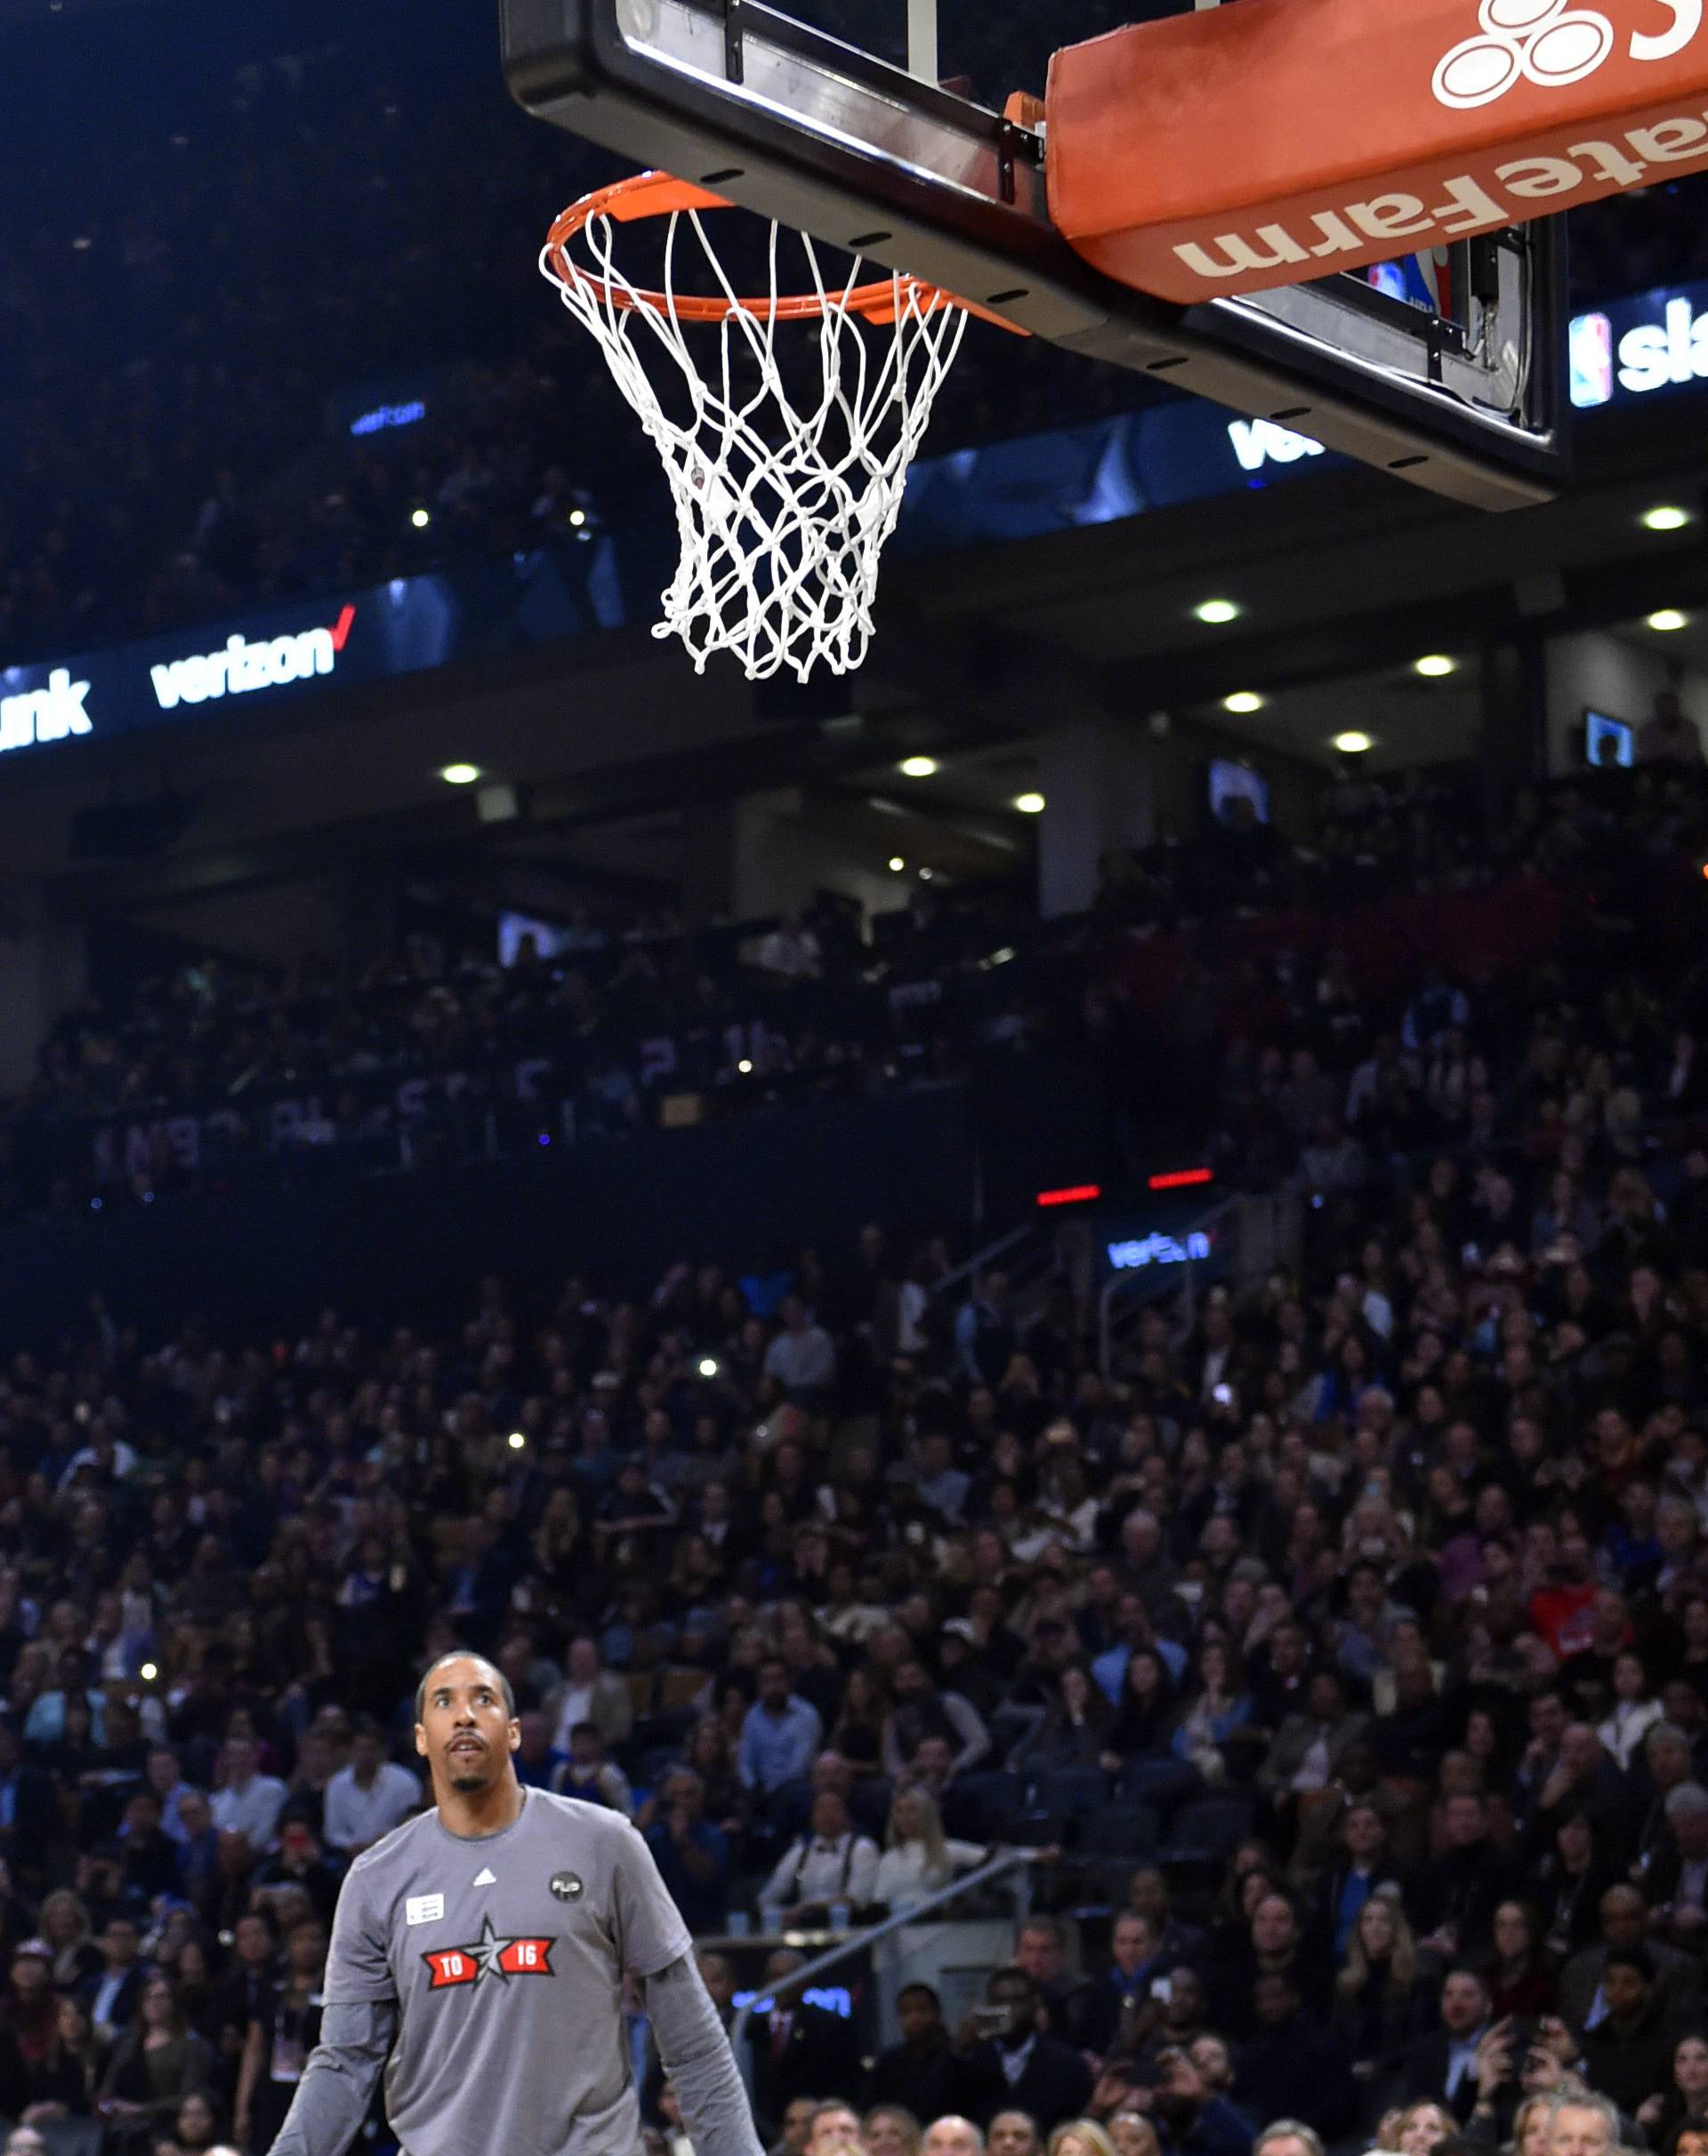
479	1954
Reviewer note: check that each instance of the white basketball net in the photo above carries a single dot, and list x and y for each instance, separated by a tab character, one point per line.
784	489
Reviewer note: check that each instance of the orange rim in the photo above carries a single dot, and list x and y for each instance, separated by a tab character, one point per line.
657	195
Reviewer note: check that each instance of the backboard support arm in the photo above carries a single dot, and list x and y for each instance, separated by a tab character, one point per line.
798	126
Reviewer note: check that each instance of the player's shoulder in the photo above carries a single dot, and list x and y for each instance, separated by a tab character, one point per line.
595	1824
403	1845
599	1836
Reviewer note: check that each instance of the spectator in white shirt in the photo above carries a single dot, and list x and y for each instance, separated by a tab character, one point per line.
921	1859
106	1453
366	1799
803	1358
792	951
830	1867
589	1693
247	1802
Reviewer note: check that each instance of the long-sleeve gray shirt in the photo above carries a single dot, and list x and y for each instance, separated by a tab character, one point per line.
484	1977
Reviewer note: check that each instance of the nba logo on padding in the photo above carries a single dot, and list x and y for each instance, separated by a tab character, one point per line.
1546	41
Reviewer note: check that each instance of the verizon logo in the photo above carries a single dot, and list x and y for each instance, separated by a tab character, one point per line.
242	668
53	713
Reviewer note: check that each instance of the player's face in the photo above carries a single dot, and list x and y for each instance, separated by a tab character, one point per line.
465	1734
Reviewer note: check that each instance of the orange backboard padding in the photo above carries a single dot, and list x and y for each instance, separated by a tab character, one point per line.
1272	141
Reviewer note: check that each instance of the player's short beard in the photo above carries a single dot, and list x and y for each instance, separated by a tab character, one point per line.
469	1778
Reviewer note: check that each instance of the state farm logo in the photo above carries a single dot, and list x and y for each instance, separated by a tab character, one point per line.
1550	42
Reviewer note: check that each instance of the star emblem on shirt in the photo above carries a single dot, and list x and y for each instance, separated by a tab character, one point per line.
492	1954
488	1949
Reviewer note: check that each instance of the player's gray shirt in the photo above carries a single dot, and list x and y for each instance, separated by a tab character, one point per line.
505	1955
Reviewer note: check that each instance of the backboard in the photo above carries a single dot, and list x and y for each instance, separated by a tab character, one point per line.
1452	379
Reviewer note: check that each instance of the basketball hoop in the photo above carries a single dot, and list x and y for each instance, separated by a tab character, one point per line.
786	484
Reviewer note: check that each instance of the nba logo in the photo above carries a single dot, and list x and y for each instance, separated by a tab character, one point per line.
1591	360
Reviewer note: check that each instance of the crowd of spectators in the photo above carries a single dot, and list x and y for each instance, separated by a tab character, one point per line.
176	414
1340	1646
1285	1039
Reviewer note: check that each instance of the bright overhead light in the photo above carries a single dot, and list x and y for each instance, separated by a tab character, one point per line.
148	1671
1244	700
460	775
1217	613
577	517
1353	744
708	1366
421	520
897	865
1435	665
516	1441
1667	517
744	1068
1030	804
1668	619
918	767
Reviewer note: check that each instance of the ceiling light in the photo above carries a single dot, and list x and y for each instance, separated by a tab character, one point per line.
421	520
897	865
148	1671
1668	619
1217	613
744	1068
1666	517
1435	666
577	517
1030	804
1241	701
1353	744
918	767
460	775
925	875
516	1441
708	1366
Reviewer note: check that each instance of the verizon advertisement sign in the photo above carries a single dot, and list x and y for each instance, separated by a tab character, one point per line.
241	668
478	610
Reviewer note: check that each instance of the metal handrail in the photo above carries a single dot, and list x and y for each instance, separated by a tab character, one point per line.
856	1942
982	1259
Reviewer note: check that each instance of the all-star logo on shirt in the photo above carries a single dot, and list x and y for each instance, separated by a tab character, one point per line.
490	1956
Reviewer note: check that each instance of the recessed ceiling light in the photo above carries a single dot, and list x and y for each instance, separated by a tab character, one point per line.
1353	744
1029	804
460	775
1218	611
421	520
1435	665
518	1439
897	865
1667	517
918	767
1244	700
1668	619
